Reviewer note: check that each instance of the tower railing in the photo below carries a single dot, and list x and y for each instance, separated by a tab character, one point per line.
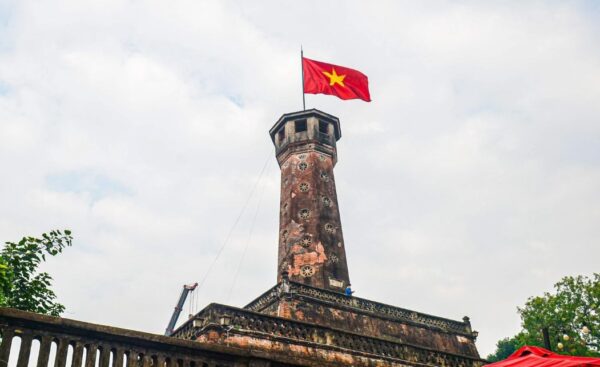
363	305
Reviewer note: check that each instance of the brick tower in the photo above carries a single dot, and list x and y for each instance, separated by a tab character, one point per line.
311	244
306	319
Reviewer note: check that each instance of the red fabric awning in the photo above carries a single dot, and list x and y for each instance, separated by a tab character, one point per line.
529	356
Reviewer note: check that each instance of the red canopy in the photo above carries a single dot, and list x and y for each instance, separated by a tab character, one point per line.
529	356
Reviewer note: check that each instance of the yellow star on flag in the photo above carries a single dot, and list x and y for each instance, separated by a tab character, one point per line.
334	78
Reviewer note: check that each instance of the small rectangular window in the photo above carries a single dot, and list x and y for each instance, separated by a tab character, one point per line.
281	134
323	127
300	125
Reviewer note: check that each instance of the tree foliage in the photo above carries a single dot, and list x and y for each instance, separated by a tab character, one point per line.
21	285
504	348
571	314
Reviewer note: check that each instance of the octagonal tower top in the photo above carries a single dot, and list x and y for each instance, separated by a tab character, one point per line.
309	129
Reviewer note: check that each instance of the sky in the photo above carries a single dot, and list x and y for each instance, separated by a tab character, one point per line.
470	183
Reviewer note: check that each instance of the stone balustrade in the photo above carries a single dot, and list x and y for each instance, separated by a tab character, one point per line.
361	304
30	339
242	322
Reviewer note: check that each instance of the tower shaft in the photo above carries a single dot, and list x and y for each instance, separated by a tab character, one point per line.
311	243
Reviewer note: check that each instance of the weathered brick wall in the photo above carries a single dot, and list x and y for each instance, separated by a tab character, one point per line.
377	326
311	244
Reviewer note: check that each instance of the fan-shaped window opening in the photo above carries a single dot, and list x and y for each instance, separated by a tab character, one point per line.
304	213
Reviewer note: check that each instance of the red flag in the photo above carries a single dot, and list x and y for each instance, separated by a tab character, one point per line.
340	81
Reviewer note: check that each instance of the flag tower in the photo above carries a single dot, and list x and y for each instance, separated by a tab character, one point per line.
311	243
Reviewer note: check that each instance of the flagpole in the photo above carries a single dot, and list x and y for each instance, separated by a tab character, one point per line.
302	68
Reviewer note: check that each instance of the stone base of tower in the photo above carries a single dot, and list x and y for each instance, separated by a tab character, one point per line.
301	325
358	315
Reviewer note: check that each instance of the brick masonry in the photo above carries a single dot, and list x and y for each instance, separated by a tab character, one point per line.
311	241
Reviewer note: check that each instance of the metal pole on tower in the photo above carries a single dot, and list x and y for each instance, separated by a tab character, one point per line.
302	68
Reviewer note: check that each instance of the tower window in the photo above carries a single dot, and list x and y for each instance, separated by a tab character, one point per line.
300	125
307	271
281	134
306	241
304	213
303	186
323	127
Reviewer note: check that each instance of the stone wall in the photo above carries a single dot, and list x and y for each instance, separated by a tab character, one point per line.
308	304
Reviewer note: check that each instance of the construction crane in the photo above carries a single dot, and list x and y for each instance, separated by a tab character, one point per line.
187	288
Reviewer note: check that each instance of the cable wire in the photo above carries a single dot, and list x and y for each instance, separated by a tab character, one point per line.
237	270
235	223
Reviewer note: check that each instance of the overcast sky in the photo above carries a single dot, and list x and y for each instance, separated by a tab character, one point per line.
471	182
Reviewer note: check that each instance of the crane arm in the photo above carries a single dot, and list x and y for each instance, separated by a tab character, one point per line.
178	307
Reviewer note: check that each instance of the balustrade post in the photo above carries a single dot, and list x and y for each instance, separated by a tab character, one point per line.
44	354
90	357
132	359
104	357
25	350
118	357
77	355
61	353
7	336
147	360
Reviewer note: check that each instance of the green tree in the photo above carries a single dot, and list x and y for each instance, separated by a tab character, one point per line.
504	348
21	285
571	313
